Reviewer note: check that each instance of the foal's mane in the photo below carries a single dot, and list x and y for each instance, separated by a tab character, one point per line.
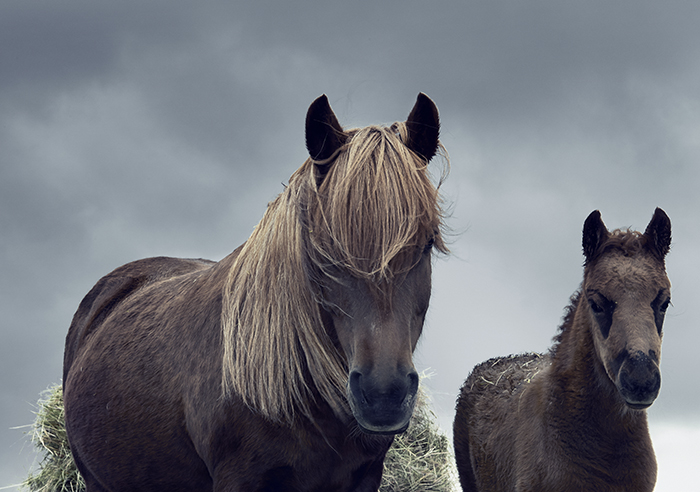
363	215
627	241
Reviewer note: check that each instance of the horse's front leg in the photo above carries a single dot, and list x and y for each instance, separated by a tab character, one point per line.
372	477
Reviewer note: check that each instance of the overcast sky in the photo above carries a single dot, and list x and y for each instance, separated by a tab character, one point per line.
132	129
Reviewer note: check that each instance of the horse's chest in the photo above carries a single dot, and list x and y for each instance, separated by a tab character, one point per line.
262	456
608	469
345	469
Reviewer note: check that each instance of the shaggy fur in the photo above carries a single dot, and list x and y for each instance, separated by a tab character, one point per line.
574	419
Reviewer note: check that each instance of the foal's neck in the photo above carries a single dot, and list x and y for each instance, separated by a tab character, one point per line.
606	443
579	385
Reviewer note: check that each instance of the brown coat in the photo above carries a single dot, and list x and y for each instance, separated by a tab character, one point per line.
574	420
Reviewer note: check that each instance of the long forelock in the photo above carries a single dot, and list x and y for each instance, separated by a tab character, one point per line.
376	204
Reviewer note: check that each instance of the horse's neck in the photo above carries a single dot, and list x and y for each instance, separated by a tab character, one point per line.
579	385
586	418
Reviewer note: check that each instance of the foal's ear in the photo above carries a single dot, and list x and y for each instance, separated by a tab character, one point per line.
324	135
658	234
594	233
423	125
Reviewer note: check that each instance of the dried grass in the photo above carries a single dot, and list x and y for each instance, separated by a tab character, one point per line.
420	460
57	471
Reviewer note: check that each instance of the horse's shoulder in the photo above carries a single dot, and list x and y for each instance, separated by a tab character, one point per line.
112	289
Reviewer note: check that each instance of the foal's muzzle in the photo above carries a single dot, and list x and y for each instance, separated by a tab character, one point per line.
639	380
382	407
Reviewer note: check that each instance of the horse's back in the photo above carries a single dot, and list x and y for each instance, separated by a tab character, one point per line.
495	381
485	400
112	289
120	392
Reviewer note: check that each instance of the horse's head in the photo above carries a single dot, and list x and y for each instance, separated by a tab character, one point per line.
377	332
625	294
372	225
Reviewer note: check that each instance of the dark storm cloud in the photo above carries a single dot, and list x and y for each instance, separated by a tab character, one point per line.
130	129
49	47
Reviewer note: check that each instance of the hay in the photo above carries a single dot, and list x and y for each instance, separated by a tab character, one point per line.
420	460
57	471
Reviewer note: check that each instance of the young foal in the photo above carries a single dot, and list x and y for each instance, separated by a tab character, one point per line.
574	419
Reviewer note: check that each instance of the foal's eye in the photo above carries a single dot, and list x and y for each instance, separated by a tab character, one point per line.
602	309
660	304
595	307
601	305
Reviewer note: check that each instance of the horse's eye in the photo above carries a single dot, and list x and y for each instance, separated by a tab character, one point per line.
602	309
660	308
429	245
595	307
602	305
657	303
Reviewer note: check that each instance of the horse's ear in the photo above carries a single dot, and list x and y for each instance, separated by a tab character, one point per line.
658	234
324	135
594	233
423	125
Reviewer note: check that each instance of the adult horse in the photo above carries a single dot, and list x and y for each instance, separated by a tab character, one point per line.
574	419
288	364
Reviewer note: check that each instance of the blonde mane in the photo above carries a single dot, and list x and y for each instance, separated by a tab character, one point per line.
374	205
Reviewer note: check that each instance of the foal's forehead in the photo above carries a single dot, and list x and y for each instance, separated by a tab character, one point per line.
618	273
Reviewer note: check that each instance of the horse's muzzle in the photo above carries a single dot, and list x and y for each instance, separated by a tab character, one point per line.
639	380
382	408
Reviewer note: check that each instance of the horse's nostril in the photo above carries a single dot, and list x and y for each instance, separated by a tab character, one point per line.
413	380
356	387
382	401
640	379
366	390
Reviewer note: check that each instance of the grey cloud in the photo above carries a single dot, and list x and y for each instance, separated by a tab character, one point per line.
131	129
